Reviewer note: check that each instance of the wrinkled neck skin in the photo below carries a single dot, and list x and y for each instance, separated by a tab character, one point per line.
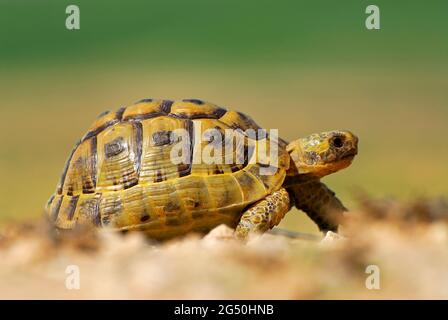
293	177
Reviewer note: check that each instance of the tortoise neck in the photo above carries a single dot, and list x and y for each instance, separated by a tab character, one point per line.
296	179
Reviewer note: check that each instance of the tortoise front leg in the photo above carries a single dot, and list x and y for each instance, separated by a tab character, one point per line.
264	214
319	203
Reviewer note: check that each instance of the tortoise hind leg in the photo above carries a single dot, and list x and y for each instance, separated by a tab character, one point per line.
264	214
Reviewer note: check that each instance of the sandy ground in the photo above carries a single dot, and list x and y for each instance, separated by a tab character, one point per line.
405	245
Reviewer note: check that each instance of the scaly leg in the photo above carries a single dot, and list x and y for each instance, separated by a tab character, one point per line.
319	203
264	214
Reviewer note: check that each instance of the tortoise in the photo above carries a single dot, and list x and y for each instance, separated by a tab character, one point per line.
121	174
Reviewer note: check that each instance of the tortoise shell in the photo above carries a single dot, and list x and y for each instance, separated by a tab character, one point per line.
120	173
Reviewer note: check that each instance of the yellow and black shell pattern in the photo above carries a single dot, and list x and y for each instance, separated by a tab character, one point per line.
120	174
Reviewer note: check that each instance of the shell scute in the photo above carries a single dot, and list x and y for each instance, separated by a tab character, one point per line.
144	110
119	152
239	120
224	191
156	163
251	188
191	109
80	175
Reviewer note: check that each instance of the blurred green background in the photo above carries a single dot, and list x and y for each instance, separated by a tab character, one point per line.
300	66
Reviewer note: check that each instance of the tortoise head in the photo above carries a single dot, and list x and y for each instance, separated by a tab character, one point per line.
323	153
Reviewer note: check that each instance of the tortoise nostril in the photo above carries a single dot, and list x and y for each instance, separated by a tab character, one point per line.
338	142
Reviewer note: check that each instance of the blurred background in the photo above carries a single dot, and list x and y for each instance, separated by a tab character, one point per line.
299	66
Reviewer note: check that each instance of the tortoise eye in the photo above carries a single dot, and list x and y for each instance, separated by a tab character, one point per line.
337	142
